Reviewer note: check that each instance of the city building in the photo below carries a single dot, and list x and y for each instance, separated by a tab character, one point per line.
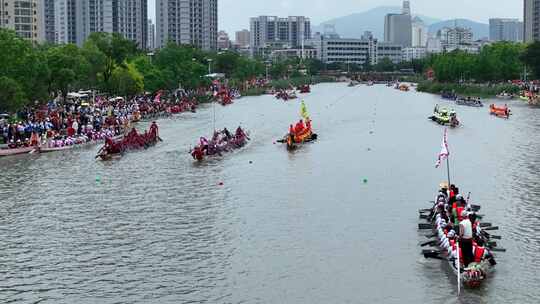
223	41
75	20
531	20
398	27
392	51
130	19
65	24
151	44
357	51
24	17
242	38
270	32
414	53
308	53
47	19
434	45
505	30
453	38
193	22
419	33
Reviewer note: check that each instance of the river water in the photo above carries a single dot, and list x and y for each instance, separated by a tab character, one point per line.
333	222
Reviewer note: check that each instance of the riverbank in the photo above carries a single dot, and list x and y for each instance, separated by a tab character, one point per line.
476	90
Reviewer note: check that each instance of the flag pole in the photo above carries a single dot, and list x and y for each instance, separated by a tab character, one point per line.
448	169
458	266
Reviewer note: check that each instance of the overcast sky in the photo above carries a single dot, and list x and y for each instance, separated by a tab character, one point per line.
234	14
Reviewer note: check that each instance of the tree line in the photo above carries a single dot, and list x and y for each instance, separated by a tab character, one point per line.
111	64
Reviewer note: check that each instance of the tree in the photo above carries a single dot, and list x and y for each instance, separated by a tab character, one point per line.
182	65
68	68
154	79
384	65
531	58
226	62
115	48
12	96
126	81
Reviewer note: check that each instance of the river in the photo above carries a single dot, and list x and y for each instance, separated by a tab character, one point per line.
333	222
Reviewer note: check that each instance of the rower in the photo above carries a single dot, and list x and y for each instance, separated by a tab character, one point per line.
227	133
291	130
479	252
466	238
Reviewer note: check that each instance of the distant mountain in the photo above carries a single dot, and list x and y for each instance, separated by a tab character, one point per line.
354	25
480	30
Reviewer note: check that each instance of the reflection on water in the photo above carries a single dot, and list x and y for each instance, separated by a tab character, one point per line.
333	222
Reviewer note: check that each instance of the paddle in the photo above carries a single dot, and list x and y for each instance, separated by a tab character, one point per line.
434	256
485	225
498	249
425	226
429	243
491	228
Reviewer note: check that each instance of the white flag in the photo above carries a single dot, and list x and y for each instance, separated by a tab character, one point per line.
444	150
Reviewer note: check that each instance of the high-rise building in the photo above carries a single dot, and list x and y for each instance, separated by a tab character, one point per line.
398	27
75	20
47	20
406	10
531	20
191	22
505	30
151	44
65	21
419	33
268	32
130	19
223	43
242	38
24	17
355	51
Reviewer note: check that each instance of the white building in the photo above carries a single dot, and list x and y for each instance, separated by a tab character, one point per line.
434	45
307	53
501	29
357	51
193	22
452	38
271	32
419	33
414	53
25	17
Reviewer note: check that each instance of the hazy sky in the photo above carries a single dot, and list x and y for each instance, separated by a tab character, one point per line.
234	14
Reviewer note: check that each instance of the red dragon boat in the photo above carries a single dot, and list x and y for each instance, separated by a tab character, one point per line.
222	142
131	141
503	112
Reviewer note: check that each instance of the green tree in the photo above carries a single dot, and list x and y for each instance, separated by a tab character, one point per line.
384	65
67	68
531	58
115	48
126	81
154	79
12	96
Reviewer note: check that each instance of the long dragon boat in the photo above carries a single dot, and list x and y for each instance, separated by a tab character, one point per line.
221	142
446	242
131	141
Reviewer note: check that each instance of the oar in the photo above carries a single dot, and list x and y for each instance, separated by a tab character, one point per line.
498	249
434	256
425	226
429	243
485	225
491	228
